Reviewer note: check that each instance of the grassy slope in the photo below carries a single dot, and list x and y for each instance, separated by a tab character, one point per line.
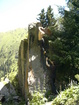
9	46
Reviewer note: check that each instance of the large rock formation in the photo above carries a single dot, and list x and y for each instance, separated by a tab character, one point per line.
23	67
32	71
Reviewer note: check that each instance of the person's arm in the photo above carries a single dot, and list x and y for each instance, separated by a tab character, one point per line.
47	64
51	62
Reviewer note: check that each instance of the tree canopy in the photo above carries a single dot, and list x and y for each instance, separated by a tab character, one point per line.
64	43
47	18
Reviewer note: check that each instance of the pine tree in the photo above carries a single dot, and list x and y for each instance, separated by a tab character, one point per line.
50	17
66	47
47	18
42	17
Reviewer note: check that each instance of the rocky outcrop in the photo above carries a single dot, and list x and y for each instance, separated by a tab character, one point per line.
7	91
23	67
32	71
38	72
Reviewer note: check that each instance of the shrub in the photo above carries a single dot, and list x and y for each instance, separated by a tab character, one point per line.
38	99
68	97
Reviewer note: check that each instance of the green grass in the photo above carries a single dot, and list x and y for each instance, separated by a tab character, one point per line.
9	47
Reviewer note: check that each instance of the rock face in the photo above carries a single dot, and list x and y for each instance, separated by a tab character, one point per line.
6	90
32	73
38	72
23	66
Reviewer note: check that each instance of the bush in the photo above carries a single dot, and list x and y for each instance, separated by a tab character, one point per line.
68	97
77	77
38	99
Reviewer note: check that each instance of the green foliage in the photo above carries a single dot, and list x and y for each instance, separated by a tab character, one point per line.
77	76
70	37
38	99
9	46
50	20
68	97
42	18
47	18
48	93
64	46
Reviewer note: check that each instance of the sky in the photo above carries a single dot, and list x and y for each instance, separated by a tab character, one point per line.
19	13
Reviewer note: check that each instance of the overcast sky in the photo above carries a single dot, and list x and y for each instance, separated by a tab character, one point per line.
19	13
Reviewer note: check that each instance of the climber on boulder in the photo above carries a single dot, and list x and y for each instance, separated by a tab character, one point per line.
52	74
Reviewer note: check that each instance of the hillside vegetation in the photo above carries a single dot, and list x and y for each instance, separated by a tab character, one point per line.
69	96
9	46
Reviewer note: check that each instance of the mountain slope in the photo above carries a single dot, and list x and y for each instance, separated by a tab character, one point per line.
9	46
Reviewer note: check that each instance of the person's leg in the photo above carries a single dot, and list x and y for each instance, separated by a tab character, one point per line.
53	86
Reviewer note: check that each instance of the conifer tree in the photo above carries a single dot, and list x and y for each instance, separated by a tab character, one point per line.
42	17
47	18
50	17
